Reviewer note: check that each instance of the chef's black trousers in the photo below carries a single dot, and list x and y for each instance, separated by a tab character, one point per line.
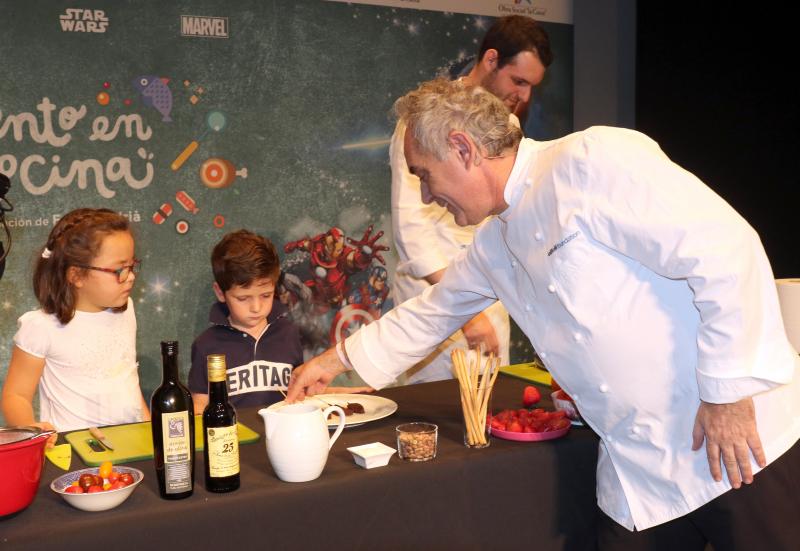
764	515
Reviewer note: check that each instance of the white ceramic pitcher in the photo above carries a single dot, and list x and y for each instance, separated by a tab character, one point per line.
297	439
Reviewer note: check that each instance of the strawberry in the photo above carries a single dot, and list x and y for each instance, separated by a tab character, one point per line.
514	426
530	396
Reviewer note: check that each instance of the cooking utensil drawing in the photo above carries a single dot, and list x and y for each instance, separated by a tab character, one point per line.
216	121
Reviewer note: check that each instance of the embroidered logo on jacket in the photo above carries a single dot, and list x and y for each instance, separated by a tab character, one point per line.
563	242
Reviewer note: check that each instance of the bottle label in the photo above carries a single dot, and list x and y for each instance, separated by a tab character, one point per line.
177	452
223	451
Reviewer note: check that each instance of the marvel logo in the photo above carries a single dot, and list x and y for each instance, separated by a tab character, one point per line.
210	27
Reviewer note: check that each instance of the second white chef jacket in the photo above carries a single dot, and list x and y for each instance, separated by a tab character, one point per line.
427	238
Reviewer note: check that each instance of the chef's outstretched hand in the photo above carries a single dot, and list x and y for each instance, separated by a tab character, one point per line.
314	376
480	333
730	433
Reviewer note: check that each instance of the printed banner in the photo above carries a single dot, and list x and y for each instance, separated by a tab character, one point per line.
194	119
554	11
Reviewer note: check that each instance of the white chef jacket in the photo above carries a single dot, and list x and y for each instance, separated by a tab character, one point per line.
642	291
426	239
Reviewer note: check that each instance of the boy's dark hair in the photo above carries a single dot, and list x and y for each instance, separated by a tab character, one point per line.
242	257
513	34
74	240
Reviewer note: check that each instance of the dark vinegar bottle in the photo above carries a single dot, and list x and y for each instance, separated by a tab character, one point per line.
221	450
172	419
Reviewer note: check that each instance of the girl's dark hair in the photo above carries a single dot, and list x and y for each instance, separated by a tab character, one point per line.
74	240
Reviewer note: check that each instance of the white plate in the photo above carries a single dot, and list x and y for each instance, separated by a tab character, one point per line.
375	407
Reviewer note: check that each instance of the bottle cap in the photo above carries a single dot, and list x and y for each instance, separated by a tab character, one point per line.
169	347
216	367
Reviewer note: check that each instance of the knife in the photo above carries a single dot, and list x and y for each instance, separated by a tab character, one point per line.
94	431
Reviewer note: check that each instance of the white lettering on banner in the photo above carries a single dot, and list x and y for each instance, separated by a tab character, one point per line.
83	21
41	130
131	122
517	9
68	117
258	376
115	170
209	27
41	221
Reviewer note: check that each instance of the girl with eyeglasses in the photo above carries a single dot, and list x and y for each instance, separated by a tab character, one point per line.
79	348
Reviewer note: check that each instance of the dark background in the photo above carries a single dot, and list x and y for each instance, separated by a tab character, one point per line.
716	88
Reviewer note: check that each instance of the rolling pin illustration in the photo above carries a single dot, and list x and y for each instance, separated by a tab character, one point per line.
216	121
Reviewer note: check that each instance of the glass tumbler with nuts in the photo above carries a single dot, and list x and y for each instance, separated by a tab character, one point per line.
416	441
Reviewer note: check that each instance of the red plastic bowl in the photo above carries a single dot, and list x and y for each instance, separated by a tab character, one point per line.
21	461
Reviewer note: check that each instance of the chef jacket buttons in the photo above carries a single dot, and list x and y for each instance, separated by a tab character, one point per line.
609	439
604	388
538	235
635	430
551	288
578	337
542	355
528	307
513	263
528	182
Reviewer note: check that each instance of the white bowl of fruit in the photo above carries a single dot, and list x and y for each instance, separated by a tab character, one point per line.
97	488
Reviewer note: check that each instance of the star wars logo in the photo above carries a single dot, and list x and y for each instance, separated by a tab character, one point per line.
209	27
78	20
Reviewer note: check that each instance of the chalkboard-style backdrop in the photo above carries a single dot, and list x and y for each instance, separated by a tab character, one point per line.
197	118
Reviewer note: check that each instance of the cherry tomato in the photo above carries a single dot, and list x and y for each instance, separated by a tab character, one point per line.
85	481
105	469
98	480
106	486
94	489
113	476
73	490
117	485
126	478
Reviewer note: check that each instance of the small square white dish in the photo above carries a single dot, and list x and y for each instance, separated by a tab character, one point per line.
372	455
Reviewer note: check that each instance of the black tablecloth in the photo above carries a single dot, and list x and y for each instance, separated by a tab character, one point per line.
511	495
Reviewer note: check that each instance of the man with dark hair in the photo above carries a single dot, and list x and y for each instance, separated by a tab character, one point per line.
511	61
506	43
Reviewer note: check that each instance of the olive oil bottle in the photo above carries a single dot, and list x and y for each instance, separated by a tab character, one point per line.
172	421
221	450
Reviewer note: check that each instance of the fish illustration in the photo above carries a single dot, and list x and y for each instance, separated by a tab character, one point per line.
155	93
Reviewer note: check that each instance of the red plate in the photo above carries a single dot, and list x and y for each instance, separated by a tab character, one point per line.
530	436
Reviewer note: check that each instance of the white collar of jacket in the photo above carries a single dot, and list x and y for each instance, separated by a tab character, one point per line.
518	180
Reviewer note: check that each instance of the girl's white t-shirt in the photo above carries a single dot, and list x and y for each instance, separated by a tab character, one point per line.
90	375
